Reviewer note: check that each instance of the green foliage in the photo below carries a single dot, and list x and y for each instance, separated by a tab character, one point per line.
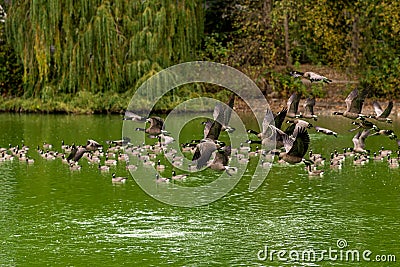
10	68
360	37
100	46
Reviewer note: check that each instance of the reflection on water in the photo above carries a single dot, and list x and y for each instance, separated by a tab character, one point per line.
50	214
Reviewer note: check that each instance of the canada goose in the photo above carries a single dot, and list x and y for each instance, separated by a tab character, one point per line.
359	160
359	141
293	105
265	164
388	133
122	157
279	118
382	115
76	153
156	126
30	161
178	176
361	122
314	77
334	160
209	143
118	180
160	167
325	131
164	139
222	114
318	160
385	152
295	148
47	146
336	165
148	163
22	157
313	172
132	116
63	145
299	123
309	109
92	145
131	167
203	152
177	163
309	77
110	162
104	168
378	157
354	102
221	159
161	179
122	142
74	166
392	163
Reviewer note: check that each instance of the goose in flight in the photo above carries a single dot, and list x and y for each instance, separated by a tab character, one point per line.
156	126
293	105
354	102
295	148
325	131
223	113
131	116
308	105
359	141
78	151
382	115
311	76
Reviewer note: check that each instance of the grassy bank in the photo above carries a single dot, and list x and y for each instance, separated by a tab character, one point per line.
96	103
80	103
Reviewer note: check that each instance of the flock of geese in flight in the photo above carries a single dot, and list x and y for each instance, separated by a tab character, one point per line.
292	142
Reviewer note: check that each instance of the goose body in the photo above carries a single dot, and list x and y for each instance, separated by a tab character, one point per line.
178	176
156	126
325	131
119	180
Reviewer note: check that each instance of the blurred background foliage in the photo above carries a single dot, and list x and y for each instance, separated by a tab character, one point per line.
62	53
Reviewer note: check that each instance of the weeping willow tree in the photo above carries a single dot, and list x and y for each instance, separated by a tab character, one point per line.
98	46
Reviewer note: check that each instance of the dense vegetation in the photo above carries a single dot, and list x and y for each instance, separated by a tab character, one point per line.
83	56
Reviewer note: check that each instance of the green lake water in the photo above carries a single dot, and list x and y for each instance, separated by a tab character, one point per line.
51	216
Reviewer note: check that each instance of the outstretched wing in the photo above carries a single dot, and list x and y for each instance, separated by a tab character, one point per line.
355	101
207	127
364	134
215	130
309	105
72	154
300	144
387	111
228	110
267	122
293	103
377	108
280	118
